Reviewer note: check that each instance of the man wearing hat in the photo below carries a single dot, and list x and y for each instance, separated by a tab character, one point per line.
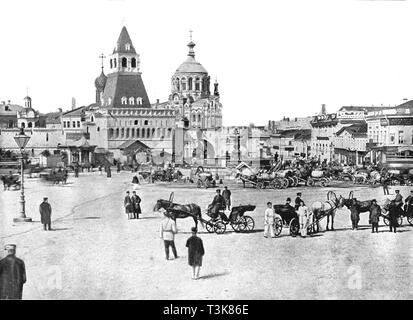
398	200
217	204
195	253
298	201
375	212
12	274
288	203
46	214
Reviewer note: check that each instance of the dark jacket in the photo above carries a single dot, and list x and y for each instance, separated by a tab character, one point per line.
128	204
45	212
375	212
12	277
355	213
226	194
195	251
136	200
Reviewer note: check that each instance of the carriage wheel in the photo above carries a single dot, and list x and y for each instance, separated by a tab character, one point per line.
249	224
311	182
284	183
238	225
199	183
324	182
278	226
277	184
220	227
290	182
410	220
210	226
259	185
294	227
296	181
386	220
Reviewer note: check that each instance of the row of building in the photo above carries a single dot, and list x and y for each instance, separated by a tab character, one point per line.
122	124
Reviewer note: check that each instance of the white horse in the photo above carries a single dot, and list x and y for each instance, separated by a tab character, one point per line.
328	207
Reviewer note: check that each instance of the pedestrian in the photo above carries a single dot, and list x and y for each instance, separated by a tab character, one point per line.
303	214
127	203
298	200
227	197
354	214
269	221
76	171
374	216
393	215
288	204
118	166
45	214
195	253
167	232
135	179
398	200
385	184
12	275
100	169
136	200
108	172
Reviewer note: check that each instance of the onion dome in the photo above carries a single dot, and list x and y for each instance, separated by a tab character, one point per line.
100	81
191	65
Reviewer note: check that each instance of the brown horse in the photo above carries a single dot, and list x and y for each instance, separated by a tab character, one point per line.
180	210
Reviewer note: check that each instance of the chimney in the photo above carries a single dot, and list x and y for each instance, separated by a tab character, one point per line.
73	103
60	110
157	101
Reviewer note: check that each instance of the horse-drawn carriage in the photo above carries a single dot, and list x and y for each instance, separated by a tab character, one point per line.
205	178
318	211
319	176
54	176
402	212
237	218
11	181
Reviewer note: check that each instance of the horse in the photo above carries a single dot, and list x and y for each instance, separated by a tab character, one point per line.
9	181
180	211
319	208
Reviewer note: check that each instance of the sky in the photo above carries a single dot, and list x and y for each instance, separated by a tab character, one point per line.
271	58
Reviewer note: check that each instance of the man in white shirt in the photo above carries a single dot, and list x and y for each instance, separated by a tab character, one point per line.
269	216
167	232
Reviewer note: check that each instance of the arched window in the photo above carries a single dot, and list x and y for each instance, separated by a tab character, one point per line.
148	132
114	63
117	132
127	133
133	63
199	117
124	62
111	63
124	100
122	132
29	125
190	84
153	132
177	84
23	125
132	134
139	100
194	117
132	100
197	84
183	83
111	133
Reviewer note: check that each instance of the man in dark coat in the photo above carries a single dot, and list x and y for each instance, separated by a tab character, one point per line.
127	203
118	166
374	216
394	212
195	253
354	214
46	214
227	197
136	200
76	171
298	200
409	203
398	200
108	172
12	275
217	204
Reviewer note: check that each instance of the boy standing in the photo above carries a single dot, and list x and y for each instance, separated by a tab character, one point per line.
269	221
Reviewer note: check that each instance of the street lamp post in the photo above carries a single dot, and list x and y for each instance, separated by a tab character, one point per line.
22	140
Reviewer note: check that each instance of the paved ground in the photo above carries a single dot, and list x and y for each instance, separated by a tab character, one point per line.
96	253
